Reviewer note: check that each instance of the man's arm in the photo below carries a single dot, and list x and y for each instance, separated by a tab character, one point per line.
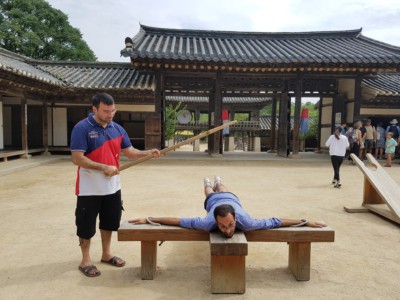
288	223
131	152
79	159
162	221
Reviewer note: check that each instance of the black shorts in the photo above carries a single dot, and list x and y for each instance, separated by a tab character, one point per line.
108	207
369	144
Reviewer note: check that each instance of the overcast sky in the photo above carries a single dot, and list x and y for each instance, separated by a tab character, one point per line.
104	24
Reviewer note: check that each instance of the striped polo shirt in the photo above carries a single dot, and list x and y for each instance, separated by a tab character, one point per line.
102	145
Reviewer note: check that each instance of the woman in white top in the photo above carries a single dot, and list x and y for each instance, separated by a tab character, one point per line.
337	144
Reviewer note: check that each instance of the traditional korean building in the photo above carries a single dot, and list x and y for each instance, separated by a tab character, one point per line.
349	73
381	98
329	65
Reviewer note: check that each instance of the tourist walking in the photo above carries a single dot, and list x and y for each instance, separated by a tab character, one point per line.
337	144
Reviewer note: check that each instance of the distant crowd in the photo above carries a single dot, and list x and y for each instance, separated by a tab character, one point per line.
381	141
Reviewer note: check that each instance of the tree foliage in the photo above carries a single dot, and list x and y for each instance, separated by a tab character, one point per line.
171	113
35	29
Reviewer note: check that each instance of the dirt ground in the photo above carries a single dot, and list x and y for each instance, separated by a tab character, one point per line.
40	253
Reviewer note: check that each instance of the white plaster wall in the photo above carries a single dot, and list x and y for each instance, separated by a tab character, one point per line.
347	86
350	112
1	126
7	132
325	133
60	131
326	113
136	108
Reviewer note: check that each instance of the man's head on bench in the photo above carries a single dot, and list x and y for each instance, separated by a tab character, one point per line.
225	217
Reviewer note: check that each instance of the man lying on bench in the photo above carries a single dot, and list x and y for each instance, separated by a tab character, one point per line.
225	212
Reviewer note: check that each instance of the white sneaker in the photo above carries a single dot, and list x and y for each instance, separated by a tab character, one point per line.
207	182
217	180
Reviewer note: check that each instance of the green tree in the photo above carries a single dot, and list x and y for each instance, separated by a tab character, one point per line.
35	29
170	120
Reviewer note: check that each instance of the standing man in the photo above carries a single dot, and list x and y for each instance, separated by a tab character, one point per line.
370	137
96	144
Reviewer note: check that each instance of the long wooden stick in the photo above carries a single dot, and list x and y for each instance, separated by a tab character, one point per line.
173	147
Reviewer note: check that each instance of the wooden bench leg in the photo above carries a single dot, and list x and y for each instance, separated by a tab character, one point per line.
228	274
299	260
149	260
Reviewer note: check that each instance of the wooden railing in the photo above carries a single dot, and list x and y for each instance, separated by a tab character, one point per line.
239	126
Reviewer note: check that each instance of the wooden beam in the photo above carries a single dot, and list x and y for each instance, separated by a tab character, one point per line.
24	127
273	124
45	127
357	98
217	109
297	108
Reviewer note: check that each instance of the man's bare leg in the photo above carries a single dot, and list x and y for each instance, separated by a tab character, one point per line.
207	187
106	247
218	186
86	259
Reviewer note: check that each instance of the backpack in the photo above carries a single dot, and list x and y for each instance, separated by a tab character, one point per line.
394	129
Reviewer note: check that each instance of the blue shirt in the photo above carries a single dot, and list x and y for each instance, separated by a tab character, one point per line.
244	221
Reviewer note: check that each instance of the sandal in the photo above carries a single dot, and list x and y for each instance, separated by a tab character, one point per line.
114	261
88	271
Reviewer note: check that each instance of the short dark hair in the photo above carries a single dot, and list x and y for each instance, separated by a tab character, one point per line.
102	97
223	210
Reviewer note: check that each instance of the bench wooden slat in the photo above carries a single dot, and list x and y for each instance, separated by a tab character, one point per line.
147	232
292	234
130	232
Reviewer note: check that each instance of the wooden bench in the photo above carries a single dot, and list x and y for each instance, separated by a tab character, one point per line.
381	193
227	255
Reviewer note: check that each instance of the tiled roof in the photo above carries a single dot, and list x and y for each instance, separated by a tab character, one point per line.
21	65
85	75
225	100
99	75
383	85
299	48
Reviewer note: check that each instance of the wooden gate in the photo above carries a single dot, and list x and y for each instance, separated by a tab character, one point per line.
153	131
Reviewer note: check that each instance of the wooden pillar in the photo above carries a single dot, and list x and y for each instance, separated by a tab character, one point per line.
216	107
24	127
284	125
45	127
228	263
357	98
319	125
299	260
148	259
297	108
159	117
273	125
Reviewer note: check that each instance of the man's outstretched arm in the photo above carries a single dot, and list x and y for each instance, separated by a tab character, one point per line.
163	221
288	223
